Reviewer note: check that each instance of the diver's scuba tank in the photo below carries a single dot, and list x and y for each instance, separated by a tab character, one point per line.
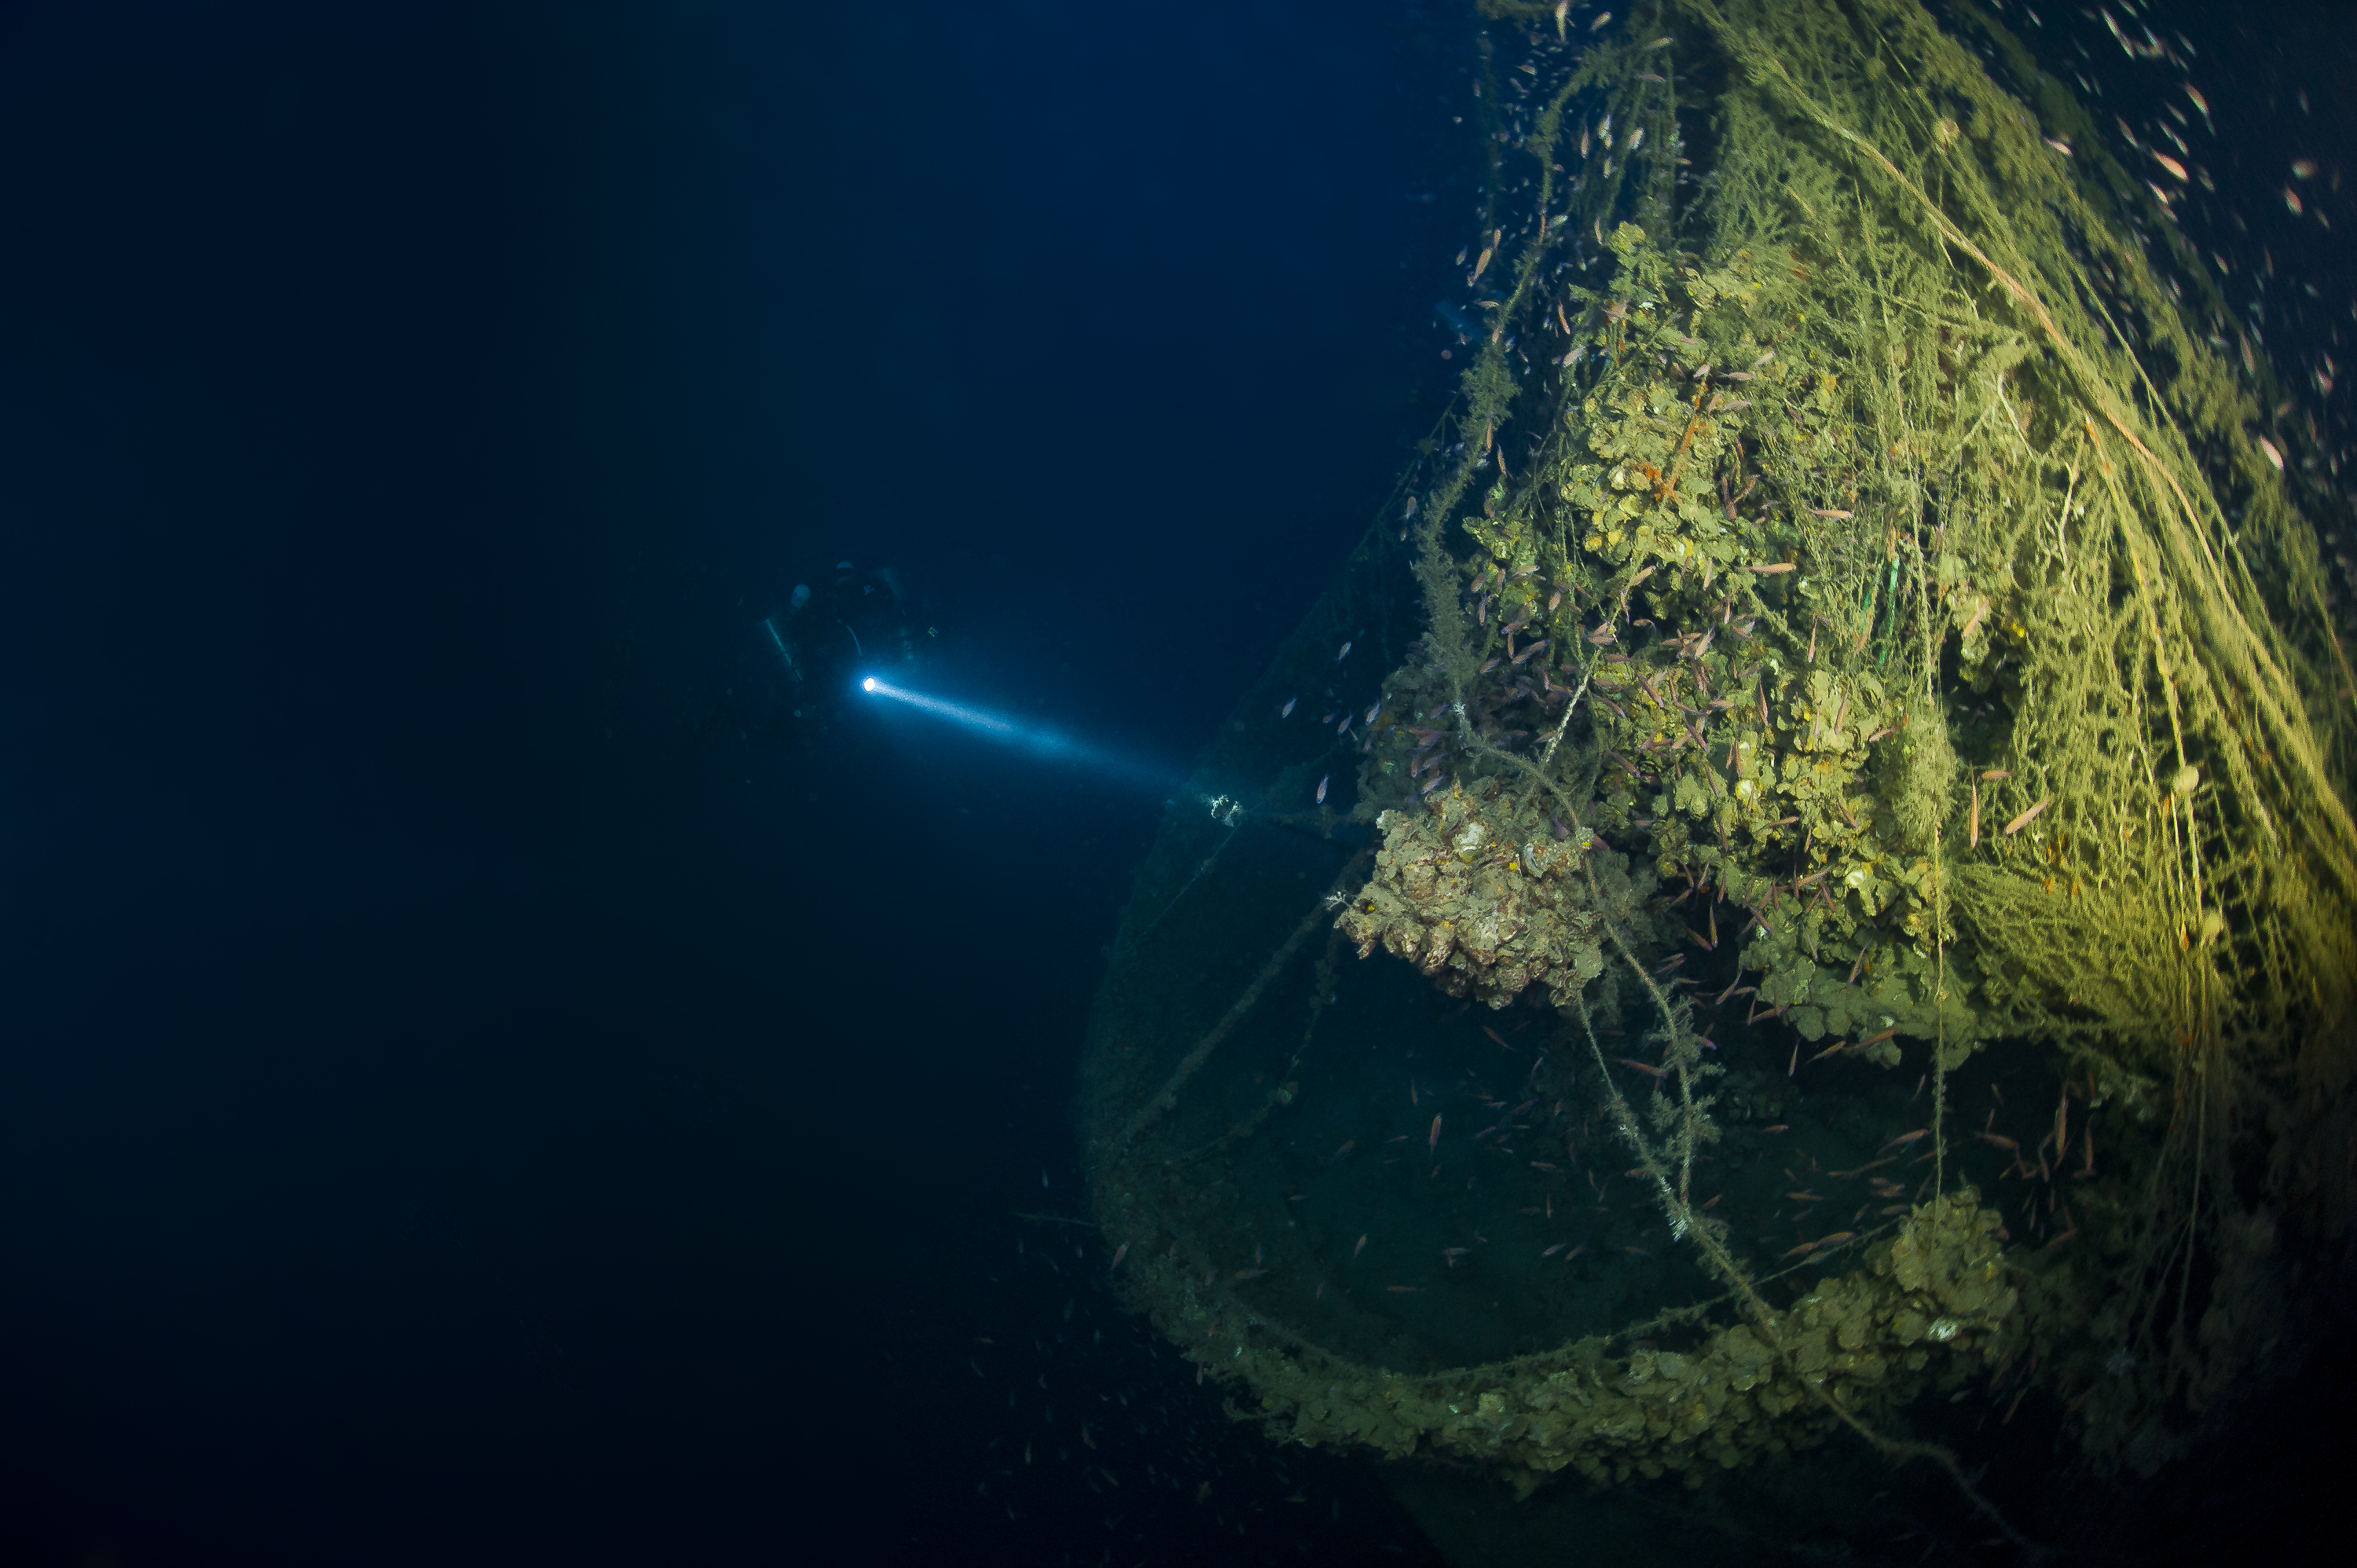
775	627
825	638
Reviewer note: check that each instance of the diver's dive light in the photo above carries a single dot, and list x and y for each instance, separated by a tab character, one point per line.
1045	742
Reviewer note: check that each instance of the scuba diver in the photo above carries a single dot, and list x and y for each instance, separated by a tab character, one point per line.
798	667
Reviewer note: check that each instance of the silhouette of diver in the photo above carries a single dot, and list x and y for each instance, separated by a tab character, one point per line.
801	666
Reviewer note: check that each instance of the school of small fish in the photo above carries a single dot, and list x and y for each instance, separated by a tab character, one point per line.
2249	222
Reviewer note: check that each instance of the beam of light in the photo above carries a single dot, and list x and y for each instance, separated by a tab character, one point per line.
1044	742
956	712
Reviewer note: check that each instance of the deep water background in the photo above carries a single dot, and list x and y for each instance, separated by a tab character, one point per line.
459	1101
456	1103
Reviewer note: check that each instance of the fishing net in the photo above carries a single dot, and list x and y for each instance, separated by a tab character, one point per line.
1834	878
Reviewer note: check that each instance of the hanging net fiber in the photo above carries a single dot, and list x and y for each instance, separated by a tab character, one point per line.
1836	882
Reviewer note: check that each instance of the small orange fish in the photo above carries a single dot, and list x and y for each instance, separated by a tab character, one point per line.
2176	169
1359	1248
1906	1138
1551	1251
1434	1142
1119	1253
1779	1127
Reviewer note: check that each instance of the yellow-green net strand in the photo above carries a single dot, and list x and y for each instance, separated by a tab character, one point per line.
1449	628
1684	1223
2237	643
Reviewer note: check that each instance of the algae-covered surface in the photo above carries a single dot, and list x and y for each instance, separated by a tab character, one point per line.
1845	897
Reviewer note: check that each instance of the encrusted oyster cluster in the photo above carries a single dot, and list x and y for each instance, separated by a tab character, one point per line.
1484	893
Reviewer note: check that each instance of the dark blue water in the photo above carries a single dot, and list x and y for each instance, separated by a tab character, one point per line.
461	1101
480	1081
